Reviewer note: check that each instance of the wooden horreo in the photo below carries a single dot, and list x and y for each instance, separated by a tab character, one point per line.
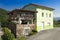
24	21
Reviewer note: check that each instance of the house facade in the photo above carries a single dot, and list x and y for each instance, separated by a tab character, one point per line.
44	16
31	17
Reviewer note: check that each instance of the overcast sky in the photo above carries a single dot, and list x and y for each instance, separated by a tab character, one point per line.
13	4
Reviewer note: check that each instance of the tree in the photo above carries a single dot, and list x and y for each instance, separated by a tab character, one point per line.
7	34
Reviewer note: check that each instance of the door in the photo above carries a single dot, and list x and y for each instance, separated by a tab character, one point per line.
42	25
26	30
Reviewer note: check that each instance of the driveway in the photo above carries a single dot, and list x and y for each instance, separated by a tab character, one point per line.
51	34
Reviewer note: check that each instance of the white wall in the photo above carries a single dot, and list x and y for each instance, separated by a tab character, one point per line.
46	19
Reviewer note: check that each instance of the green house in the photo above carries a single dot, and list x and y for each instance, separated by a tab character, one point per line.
44	16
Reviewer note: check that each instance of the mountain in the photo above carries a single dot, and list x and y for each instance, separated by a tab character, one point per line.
3	11
56	18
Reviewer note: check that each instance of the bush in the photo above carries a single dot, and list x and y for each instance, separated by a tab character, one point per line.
0	38
32	32
22	38
7	34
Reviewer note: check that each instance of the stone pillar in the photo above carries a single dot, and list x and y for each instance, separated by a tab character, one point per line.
20	21
32	21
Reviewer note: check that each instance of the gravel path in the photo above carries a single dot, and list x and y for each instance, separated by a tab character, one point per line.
51	34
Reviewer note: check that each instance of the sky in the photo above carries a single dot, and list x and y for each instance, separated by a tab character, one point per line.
15	4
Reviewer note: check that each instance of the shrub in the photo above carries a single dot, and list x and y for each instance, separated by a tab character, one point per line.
22	38
0	38
7	34
32	32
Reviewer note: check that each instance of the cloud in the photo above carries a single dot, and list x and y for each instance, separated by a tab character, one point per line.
57	14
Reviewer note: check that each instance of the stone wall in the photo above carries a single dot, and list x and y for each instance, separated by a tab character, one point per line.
20	29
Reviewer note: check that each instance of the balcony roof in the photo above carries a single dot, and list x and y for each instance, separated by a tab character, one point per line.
21	10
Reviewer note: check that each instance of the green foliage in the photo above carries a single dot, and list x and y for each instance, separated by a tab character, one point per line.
33	32
0	38
7	34
57	23
3	16
22	38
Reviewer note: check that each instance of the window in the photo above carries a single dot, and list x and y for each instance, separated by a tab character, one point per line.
49	23
24	22
18	15
42	14
49	15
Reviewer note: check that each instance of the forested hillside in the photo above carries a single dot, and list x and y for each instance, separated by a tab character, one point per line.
3	16
57	23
